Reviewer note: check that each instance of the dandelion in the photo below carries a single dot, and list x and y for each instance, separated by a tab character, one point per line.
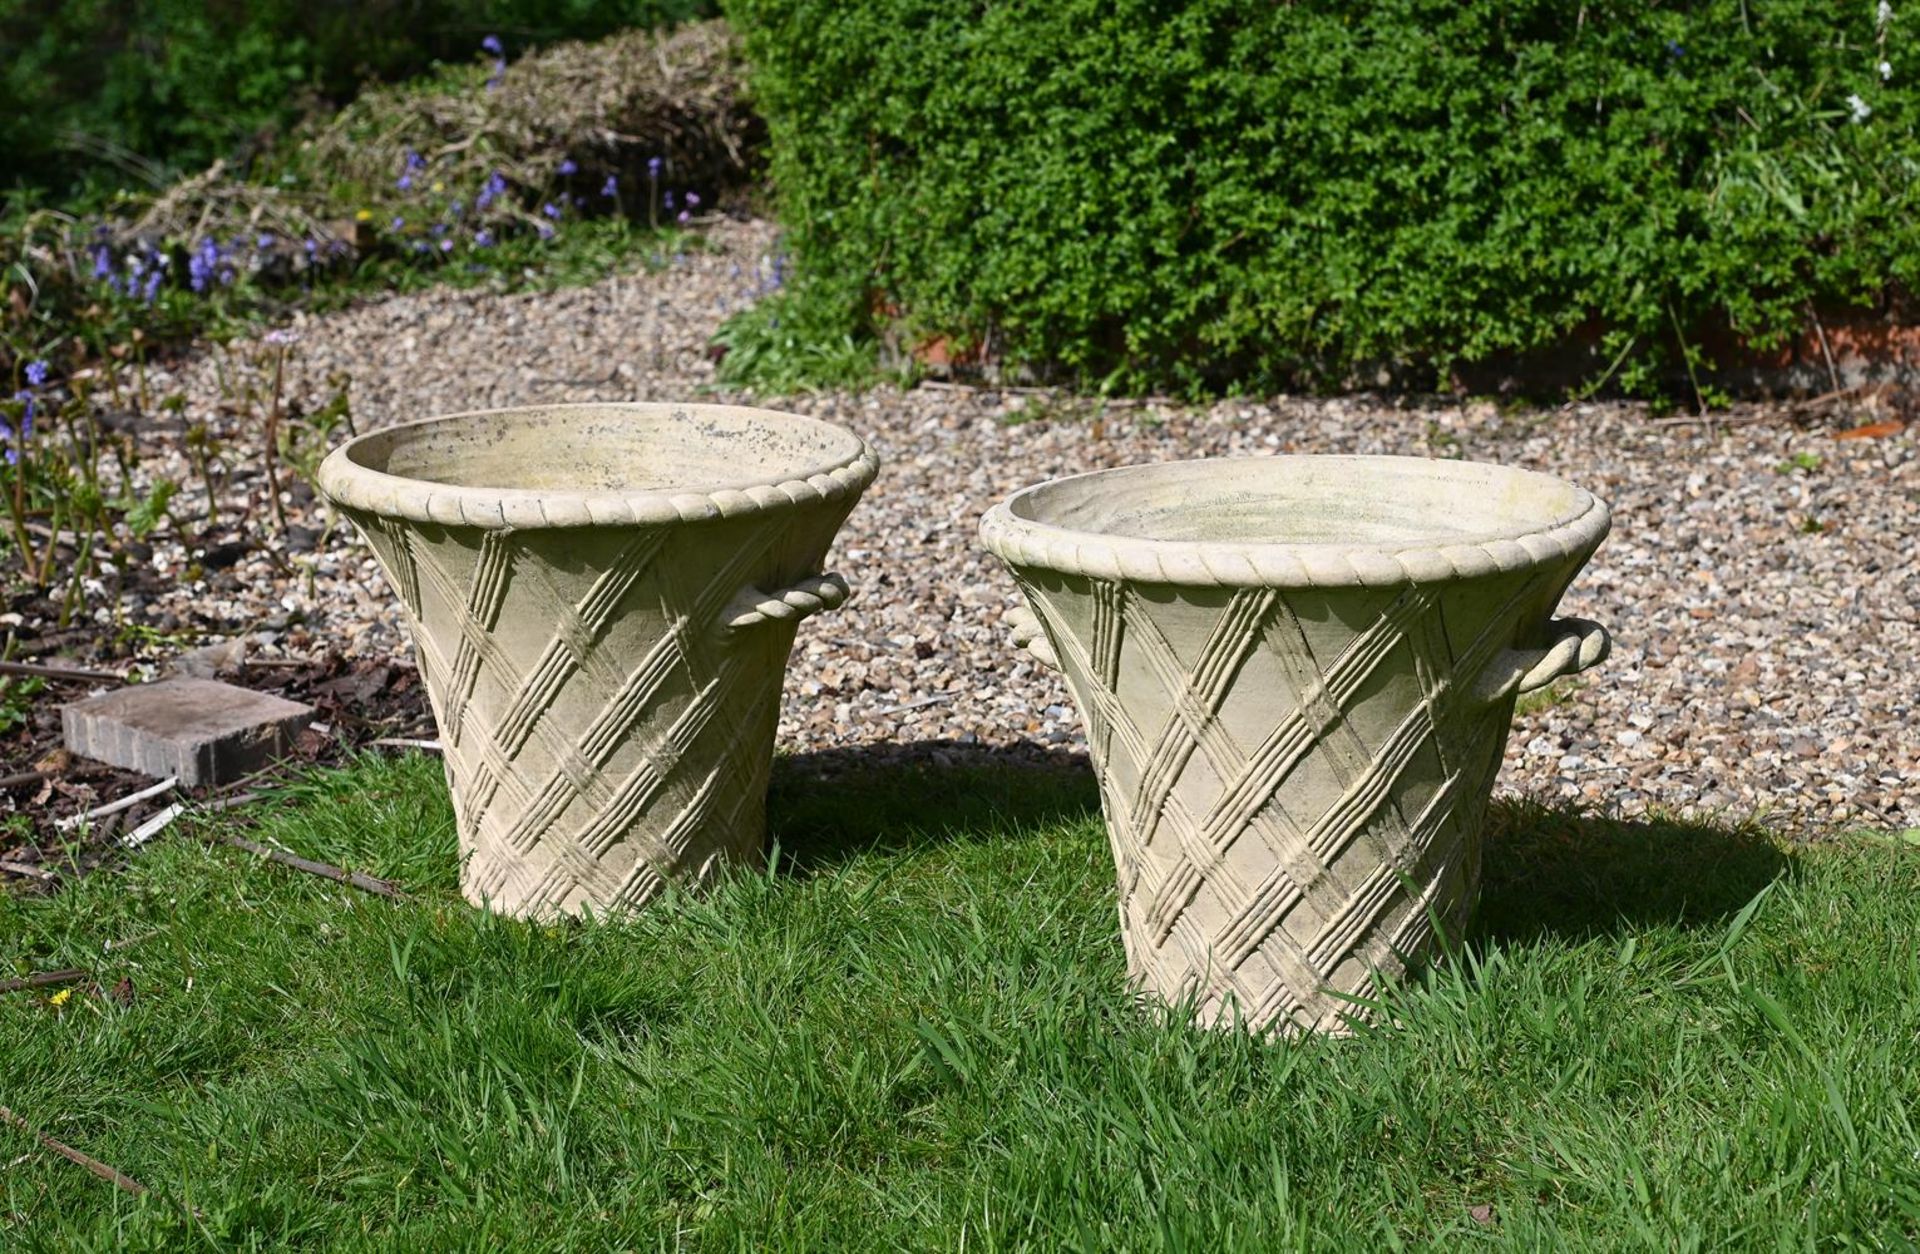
61	998
36	373
611	188
1861	109
569	166
364	215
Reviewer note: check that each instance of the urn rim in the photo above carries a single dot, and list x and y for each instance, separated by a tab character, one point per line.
839	466
1045	526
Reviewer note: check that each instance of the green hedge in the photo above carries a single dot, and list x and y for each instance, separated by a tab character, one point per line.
1222	191
180	82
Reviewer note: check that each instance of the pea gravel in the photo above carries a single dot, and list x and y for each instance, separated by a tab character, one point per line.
1760	582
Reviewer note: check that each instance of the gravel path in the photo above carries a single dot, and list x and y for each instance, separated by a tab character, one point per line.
1764	611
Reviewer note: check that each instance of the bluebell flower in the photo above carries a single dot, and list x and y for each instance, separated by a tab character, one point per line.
153	287
264	242
404	182
398	223
313	249
653	167
36	373
551	210
684	217
415	161
455	209
668	200
612	187
693	200
437	229
102	261
446	245
1674	49
545	231
569	166
492	44
483	239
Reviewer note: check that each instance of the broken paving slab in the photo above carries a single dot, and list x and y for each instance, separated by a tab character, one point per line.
200	730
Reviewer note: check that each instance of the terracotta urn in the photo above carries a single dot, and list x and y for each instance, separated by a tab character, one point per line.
602	600
1296	676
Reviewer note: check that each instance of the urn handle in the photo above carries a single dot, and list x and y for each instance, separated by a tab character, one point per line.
752	606
1025	625
1573	644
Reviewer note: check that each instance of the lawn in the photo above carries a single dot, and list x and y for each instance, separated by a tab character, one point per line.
912	1032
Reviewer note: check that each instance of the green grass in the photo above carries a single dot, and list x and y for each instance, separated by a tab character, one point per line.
912	1033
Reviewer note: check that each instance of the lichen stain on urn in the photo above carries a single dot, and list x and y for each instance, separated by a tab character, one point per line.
602	598
1297	676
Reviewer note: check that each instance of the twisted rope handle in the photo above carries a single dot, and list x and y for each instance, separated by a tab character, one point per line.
1027	634
750	606
1576	644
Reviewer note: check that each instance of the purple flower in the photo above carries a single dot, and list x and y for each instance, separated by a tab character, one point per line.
668	200
612	187
446	245
415	161
102	261
492	44
569	166
404	182
455	209
693	200
36	373
264	242
398	223
483	239
499	72
282	336
551	210
684	217
152	290
545	231
653	167
494	188
313	249
438	229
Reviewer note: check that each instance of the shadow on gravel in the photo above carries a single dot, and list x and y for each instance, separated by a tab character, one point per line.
1554	871
826	807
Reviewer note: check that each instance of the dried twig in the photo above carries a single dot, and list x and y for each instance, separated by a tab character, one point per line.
114	807
75	673
25	777
326	871
904	706
42	979
401	742
32	872
152	827
118	1179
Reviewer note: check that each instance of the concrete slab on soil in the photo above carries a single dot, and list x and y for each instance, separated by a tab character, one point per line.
201	730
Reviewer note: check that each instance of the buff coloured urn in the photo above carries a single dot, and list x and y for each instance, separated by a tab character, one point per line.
602	599
1297	676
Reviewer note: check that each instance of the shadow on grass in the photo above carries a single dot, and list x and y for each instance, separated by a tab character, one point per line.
827	807
1557	871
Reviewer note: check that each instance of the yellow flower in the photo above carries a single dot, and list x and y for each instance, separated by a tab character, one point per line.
439	187
365	215
61	998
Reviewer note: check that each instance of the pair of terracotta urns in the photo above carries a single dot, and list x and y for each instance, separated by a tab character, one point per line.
1296	673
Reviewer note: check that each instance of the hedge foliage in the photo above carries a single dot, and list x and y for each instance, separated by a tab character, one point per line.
1198	192
88	85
